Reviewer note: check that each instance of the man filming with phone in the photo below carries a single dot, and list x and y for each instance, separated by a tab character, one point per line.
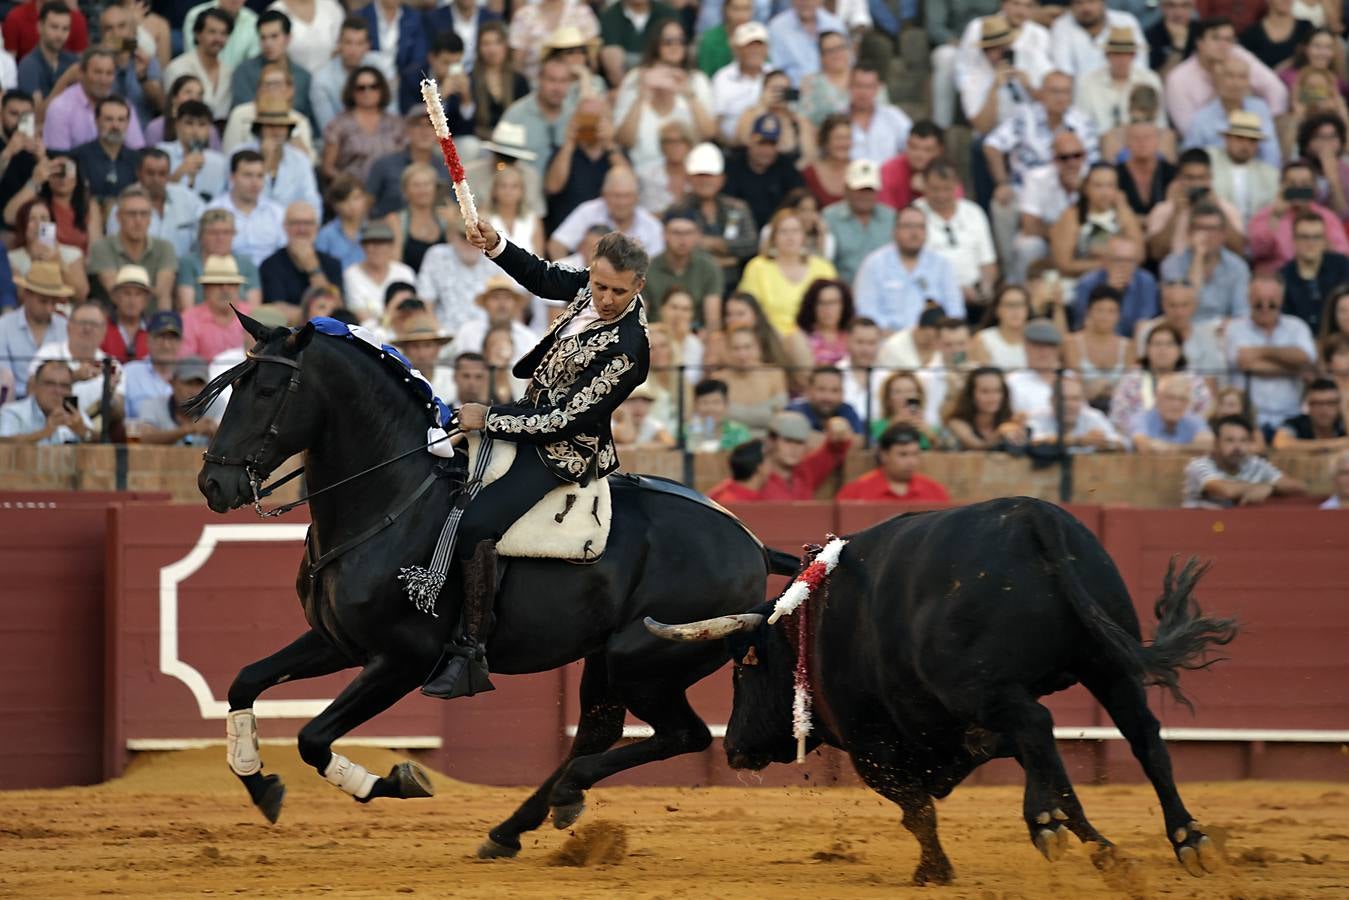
1168	224
50	414
1271	229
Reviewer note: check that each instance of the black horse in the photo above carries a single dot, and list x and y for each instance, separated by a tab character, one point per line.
668	556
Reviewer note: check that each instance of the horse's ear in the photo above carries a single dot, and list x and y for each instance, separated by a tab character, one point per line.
300	339
257	330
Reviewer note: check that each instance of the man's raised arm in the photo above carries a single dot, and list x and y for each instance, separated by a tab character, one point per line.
541	278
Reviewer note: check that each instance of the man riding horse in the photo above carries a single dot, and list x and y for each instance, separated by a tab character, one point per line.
593	356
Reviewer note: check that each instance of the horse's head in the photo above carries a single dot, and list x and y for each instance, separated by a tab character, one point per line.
267	420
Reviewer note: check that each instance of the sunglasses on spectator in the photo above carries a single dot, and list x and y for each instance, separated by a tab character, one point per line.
1309	236
1070	157
367	86
64	385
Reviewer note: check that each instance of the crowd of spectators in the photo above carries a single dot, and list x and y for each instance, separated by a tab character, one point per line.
1071	227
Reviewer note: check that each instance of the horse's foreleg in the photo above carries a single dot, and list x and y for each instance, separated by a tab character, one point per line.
309	656
380	685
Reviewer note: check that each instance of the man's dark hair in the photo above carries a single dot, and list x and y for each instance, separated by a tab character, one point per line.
868	66
194	109
1293	165
1322	384
213	12
1308	216
1212	23
52	8
244	156
397	287
940	168
469	356
1196	156
926	128
1313	124
152	153
37	373
111	100
345	316
14	94
951	323
447	42
623	253
94	53
862	322
1204	209
746	459
1237	420
711	386
356	23
1104	292
897	434
274	15
825	370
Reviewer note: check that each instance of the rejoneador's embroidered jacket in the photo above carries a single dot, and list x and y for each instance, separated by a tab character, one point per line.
575	382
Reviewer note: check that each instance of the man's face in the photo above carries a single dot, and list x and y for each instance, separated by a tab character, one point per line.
1173	399
1323	408
1241	149
1206	233
212	38
1142	139
1231	446
1309	241
900	461
1088	13
737	12
51	385
921	151
130	301
707	187
864	344
1298	177
863	202
11	112
192	131
710	406
276	82
1119	64
955	344
762	152
785	452
273	41
1072	402
1233	80
1216	44
500	306
112	123
116	27
248	181
164	347
153	175
185	389
1266	301
133	215
470	381
1069	158
1178	305
86	328
806	9
1042	357
1017	11
554	82
681	237
422	355
97	77
941	192
54	31
217	239
910	231
825	393
862	90
1195	176
220	296
620	195
420	136
1057	91
753	55
352	46
611	290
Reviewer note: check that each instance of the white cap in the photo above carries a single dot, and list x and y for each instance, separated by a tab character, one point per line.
748	33
705	159
861	175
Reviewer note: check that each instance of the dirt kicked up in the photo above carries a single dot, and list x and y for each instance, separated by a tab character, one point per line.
178	825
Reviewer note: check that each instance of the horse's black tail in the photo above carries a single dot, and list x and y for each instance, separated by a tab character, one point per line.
1184	634
780	562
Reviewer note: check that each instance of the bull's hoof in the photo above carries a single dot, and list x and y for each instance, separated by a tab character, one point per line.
934	873
1196	851
490	849
410	781
565	816
1052	842
273	794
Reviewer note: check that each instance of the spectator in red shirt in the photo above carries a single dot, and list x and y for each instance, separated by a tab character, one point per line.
126	338
748	472
792	472
902	176
896	477
20	29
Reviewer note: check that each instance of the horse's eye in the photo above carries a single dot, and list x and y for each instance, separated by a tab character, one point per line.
266	391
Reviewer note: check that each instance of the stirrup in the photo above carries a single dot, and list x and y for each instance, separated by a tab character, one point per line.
460	672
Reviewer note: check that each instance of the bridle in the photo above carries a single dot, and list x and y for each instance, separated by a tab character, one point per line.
252	462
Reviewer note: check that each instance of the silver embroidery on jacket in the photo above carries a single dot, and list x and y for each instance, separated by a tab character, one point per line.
560	417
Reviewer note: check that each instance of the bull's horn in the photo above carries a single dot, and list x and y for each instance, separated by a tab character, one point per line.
707	629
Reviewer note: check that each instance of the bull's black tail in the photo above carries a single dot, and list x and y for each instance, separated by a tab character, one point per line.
1184	634
780	562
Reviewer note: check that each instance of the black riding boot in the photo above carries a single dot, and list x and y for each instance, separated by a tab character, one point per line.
462	670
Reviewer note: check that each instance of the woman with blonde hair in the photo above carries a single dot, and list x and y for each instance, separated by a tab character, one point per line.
663	380
778	279
508	210
676	315
664	88
420	225
755	389
495	84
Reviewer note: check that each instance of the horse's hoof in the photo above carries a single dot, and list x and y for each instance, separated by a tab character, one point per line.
411	781
490	849
272	796
566	816
1196	851
1052	843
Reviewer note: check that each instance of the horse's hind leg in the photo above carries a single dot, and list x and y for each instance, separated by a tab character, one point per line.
379	686
599	728
308	656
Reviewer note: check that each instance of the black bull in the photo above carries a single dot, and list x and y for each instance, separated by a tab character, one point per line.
930	645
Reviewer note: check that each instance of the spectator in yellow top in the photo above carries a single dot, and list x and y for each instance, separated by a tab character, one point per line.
778	279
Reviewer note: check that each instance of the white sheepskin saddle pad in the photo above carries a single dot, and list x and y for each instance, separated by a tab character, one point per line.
570	522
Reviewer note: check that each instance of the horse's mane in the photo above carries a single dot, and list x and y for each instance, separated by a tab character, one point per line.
197	406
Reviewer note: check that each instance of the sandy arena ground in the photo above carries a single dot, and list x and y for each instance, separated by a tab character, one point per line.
178	825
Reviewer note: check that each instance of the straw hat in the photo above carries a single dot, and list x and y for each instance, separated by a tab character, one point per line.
568	37
1121	40
220	270
136	276
508	139
1243	124
500	283
44	277
274	110
995	31
421	326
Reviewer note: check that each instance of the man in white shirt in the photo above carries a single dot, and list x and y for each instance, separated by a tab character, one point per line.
1085	430
193	164
260	222
737	86
1273	351
212	31
1001	60
1103	93
958	230
879	129
1239	176
1079	38
174	210
862	376
1047	191
616	207
45	416
1031	389
503	304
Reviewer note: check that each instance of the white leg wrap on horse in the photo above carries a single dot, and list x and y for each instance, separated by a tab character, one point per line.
349	776
241	742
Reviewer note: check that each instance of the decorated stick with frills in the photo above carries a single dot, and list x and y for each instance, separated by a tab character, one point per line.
435	109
